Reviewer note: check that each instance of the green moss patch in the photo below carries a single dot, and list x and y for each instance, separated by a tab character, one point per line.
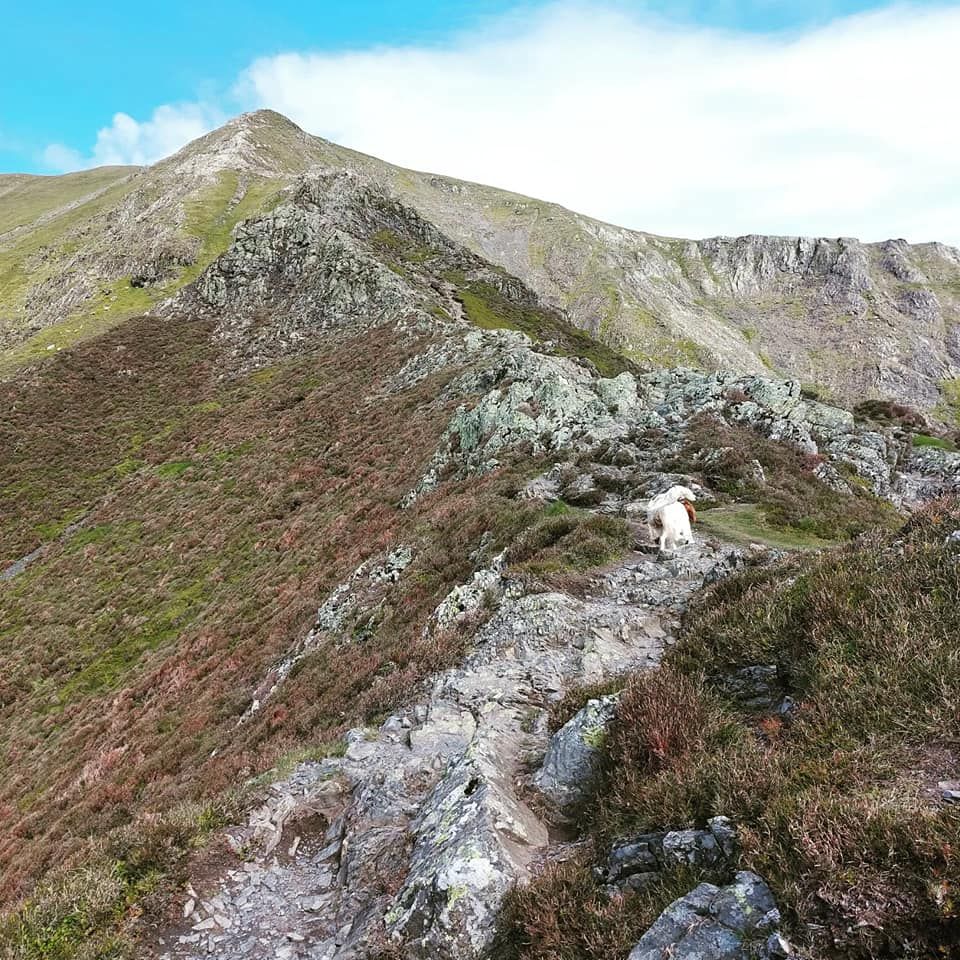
746	523
487	308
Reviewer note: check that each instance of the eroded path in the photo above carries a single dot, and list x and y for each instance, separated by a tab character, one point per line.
416	833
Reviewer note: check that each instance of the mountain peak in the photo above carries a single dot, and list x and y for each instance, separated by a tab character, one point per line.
262	142
264	120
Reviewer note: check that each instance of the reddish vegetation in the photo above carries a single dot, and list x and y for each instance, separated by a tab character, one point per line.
220	515
835	799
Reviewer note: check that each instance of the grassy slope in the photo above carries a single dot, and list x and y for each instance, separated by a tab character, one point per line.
746	523
24	199
838	808
216	522
217	517
210	215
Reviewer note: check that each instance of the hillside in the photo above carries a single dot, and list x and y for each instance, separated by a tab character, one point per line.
330	614
847	319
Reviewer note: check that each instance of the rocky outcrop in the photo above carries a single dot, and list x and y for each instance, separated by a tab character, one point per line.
736	922
541	403
415	834
573	754
636	864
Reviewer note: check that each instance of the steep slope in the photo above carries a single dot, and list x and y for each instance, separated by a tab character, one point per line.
265	515
81	253
848	319
187	487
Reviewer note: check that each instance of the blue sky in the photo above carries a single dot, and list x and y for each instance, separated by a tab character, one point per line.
68	67
685	118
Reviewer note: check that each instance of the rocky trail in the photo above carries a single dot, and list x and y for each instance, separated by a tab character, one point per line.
416	833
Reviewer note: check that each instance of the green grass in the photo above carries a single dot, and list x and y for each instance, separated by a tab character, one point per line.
746	523
23	200
17	275
489	309
210	217
924	440
949	406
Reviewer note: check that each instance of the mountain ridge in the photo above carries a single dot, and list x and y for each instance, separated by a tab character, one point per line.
850	320
304	567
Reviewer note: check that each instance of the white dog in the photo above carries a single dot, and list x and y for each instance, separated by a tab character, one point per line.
672	513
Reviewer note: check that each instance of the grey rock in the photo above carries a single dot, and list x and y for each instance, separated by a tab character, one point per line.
573	752
636	863
716	923
754	686
582	491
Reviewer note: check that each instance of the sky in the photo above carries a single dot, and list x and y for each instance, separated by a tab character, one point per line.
689	118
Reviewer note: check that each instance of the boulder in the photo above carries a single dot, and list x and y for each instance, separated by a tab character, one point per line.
736	922
573	752
635	864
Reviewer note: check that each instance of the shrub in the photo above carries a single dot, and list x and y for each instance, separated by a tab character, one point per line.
563	915
891	412
572	541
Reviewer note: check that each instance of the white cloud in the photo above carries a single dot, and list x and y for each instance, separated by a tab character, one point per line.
60	158
128	141
842	129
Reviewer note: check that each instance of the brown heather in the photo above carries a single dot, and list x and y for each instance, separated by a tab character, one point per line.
837	807
217	516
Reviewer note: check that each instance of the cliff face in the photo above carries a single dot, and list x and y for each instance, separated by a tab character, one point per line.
851	320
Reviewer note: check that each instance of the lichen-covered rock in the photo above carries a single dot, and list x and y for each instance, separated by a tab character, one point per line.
468	597
474	838
926	473
753	686
736	922
572	755
545	402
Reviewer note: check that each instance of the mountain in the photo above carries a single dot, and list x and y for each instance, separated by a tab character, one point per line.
851	321
332	626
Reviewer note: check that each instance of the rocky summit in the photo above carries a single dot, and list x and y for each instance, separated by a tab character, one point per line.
333	623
